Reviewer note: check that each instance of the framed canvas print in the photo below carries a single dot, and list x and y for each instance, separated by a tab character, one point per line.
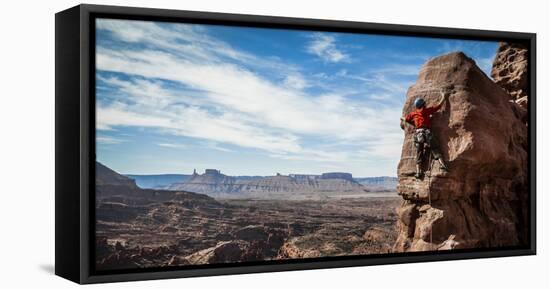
193	144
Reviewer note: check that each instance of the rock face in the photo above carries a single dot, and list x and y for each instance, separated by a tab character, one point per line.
251	243
321	244
481	202
510	69
288	184
223	252
344	176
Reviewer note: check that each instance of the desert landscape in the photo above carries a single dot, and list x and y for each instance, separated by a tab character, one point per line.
151	228
212	218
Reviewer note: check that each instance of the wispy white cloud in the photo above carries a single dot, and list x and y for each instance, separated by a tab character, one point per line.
253	96
296	81
189	42
400	69
217	146
226	102
173	145
381	82
324	46
118	114
108	140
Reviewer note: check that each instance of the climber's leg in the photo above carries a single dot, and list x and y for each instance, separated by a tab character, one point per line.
418	173
434	148
443	166
419	160
437	155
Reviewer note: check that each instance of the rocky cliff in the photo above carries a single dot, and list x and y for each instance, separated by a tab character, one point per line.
343	176
510	70
212	182
287	184
112	187
481	202
106	176
216	184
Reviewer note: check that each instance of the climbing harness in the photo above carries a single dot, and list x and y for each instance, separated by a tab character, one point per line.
421	136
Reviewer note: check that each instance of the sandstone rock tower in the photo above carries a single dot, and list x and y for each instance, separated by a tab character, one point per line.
482	201
510	70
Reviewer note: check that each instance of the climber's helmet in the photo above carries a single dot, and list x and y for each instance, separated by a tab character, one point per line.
419	102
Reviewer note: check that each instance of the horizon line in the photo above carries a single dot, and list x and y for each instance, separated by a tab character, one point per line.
190	174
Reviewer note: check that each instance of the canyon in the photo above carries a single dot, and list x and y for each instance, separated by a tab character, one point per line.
140	228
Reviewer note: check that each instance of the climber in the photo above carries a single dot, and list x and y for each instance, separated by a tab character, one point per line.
423	137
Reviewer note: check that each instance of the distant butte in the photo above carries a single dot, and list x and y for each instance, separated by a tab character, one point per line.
213	183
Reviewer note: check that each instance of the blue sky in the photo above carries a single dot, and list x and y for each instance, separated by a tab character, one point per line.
255	101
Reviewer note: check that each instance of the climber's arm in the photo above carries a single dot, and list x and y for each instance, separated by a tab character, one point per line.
406	120
444	96
438	105
402	123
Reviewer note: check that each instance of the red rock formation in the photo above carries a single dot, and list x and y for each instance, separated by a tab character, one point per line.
510	69
223	252
481	202
322	243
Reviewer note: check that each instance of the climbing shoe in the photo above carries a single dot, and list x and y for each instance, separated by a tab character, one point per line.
418	175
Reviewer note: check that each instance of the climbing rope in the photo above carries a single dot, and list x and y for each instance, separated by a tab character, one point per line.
430	167
429	175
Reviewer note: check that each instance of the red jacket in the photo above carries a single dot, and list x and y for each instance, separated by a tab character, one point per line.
420	117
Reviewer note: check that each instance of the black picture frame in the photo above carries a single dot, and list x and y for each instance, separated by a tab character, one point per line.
75	141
